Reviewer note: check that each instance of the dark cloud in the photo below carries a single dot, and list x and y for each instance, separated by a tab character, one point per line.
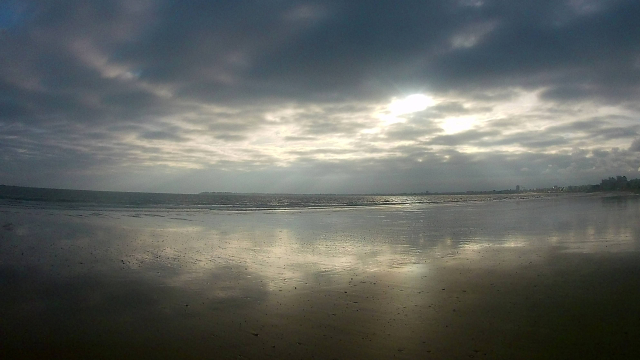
11	110
538	43
595	124
222	50
161	135
567	93
409	131
230	137
620	132
462	138
545	143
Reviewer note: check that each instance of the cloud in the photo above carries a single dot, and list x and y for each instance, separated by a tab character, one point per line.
462	138
242	87
161	135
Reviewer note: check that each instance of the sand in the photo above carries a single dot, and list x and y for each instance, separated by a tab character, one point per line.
539	278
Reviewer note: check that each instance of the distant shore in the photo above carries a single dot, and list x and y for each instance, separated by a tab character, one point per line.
612	184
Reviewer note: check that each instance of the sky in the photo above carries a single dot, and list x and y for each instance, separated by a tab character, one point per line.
322	96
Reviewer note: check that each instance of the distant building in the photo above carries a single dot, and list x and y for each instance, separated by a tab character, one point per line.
517	188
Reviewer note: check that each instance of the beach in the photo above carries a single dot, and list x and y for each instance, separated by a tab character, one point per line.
550	277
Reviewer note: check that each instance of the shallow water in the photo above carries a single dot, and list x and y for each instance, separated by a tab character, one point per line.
530	278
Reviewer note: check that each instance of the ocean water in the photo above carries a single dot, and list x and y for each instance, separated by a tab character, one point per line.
89	275
41	197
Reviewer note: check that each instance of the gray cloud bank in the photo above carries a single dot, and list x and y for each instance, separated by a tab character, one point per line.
290	96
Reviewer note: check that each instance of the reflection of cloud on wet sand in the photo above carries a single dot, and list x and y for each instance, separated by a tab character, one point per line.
449	281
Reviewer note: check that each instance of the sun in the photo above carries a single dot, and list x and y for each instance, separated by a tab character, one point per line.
410	104
399	107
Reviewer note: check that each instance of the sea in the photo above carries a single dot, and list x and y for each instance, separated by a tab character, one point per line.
86	199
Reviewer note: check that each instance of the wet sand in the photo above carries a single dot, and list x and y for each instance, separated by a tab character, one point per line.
539	278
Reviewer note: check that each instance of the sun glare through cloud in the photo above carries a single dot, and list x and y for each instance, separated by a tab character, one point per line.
456	125
410	104
404	106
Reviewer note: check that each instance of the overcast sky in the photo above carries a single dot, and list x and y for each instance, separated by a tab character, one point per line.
318	96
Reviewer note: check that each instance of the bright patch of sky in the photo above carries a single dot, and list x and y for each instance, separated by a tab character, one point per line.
395	111
458	124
